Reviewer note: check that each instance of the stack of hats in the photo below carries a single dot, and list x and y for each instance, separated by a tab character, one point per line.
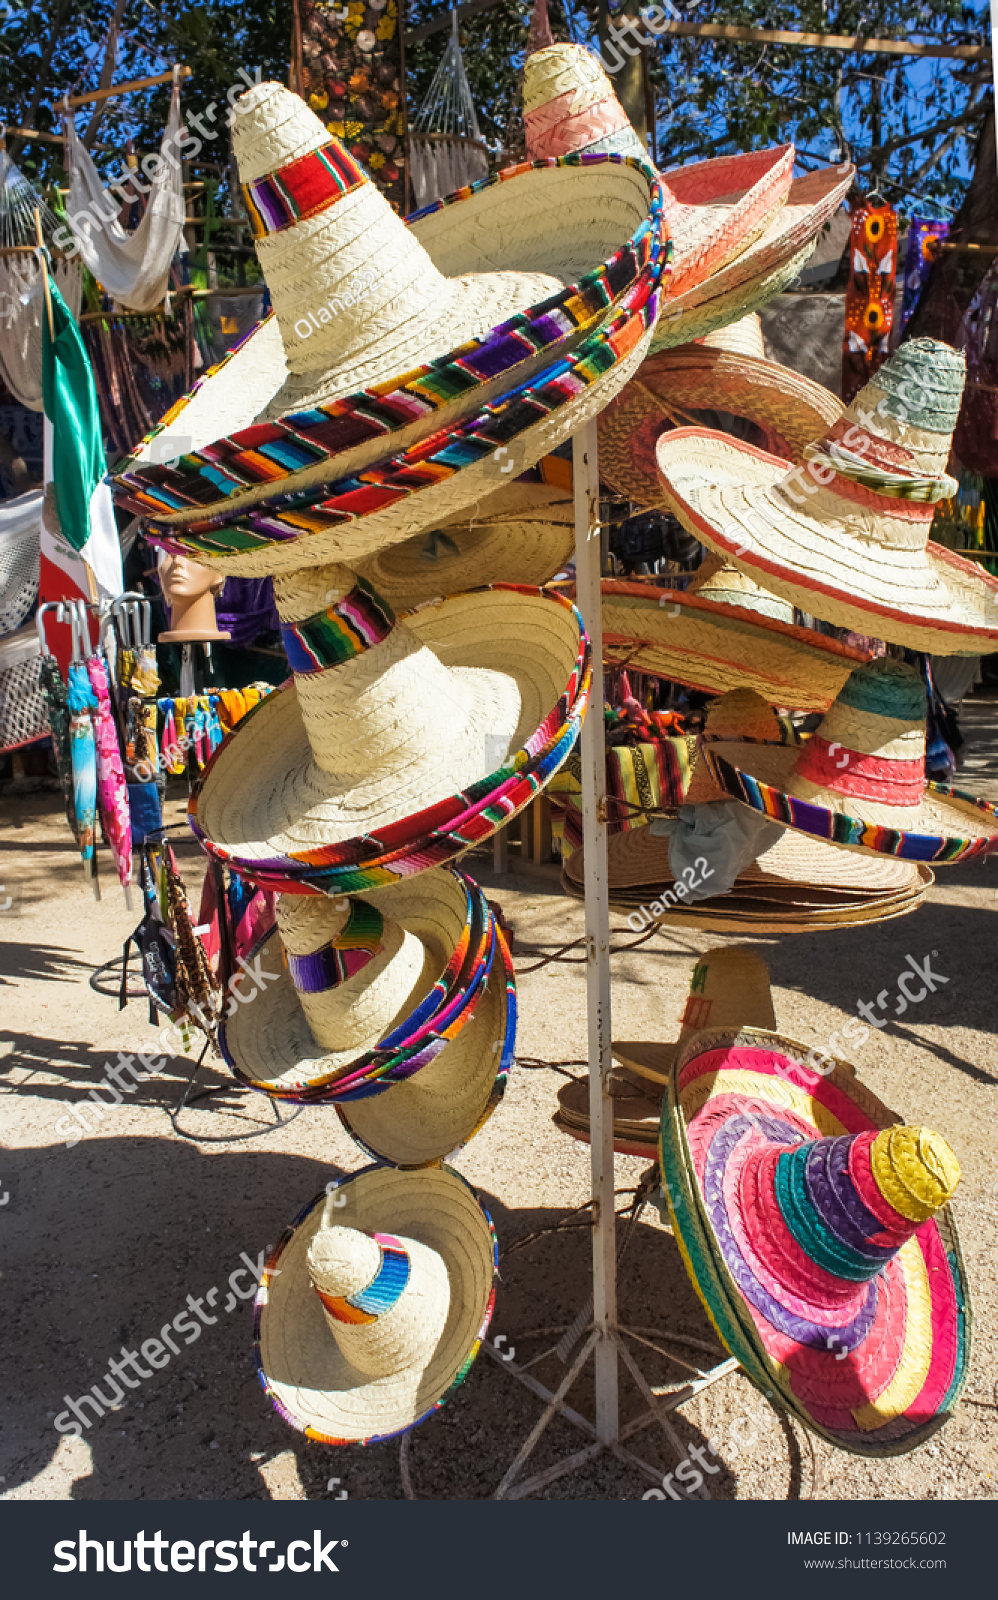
403	394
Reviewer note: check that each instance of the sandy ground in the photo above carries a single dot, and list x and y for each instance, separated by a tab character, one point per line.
102	1244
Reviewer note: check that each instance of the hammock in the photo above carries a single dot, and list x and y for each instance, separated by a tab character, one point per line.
446	149
21	296
133	268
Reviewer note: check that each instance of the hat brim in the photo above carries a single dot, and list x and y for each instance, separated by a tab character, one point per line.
700	378
713	646
301	1367
385	462
272	1048
426	568
266	808
635	1116
722	491
764	269
716	210
948	825
723	1074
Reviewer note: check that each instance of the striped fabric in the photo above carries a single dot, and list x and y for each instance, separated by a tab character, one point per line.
344	630
383	1291
301	189
645	777
358	943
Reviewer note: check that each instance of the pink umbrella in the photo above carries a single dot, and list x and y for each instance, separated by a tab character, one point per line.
112	790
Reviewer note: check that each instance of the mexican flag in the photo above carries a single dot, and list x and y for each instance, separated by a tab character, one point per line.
74	461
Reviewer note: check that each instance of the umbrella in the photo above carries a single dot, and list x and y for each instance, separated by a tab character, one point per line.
112	790
81	701
54	690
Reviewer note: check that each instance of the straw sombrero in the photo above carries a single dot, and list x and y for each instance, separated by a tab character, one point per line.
374	1304
401	1005
859	782
722	633
729	988
816	1230
523	533
400	742
847	539
406	369
713	209
696	377
768	266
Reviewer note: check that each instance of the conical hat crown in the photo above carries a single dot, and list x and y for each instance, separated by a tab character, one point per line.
385	1299
870	746
352	967
729	989
739	714
880	470
569	105
743	337
714	580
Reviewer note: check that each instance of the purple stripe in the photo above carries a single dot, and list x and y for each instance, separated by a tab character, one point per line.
837	1202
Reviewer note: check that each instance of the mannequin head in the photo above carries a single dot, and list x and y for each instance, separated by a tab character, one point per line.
189	590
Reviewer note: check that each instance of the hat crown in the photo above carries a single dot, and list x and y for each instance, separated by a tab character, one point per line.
385	1299
353	969
871	742
729	989
569	105
344	272
850	1202
730	587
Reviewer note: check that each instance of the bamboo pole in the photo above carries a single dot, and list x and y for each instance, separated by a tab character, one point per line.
125	88
45	271
824	41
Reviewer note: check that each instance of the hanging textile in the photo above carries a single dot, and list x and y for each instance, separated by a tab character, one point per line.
133	268
446	149
918	262
870	295
976	438
20	558
24	715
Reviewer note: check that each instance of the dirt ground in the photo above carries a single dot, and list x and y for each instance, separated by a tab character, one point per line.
102	1244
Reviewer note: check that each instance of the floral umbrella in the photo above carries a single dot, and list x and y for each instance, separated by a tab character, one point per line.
81	702
112	790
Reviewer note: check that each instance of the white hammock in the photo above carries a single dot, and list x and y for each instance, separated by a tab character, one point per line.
446	149
22	306
133	268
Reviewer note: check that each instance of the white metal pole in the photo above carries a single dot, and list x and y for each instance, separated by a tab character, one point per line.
587	571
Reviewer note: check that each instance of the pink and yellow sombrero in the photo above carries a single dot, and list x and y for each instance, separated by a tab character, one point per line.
816	1230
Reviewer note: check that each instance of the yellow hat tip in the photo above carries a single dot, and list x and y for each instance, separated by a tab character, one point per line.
915	1170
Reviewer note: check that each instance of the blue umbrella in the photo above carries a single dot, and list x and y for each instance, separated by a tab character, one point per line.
81	700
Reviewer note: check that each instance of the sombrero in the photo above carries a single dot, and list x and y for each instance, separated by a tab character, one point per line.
859	782
847	540
371	1003
696	377
767	267
797	885
713	209
524	534
819	1239
400	742
407	369
721	633
729	988
374	1304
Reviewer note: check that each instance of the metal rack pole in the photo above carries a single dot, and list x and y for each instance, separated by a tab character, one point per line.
587	572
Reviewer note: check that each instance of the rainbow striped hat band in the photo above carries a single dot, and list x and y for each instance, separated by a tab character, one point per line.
860	780
374	1303
398	360
819	1239
845	536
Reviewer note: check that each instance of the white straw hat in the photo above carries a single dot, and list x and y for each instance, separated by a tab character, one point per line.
379	398
374	1304
848	540
400	742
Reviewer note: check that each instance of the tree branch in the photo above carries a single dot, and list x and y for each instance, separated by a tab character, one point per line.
969	115
58	23
107	73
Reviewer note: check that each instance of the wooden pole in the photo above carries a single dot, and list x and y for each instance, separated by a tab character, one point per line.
824	41
126	88
45	271
585	472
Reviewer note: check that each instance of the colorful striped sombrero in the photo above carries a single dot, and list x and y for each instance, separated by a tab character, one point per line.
816	1231
374	1304
408	369
847	539
860	782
